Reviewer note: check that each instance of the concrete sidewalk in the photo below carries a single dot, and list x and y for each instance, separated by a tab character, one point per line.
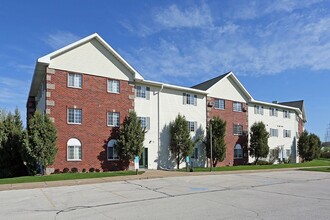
148	174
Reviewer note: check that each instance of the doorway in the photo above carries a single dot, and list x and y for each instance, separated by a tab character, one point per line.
144	158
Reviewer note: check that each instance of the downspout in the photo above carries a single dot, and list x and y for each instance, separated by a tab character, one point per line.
158	107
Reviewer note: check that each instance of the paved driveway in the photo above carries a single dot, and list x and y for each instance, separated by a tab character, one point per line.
267	195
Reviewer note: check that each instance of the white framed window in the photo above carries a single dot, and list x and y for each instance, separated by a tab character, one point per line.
286	114
273	112
142	92
113	86
74	116
288	153
273	132
75	80
259	110
195	153
113	119
238	152
111	150
192	125
238	129
189	99
219	104
145	122
237	107
73	150
286	133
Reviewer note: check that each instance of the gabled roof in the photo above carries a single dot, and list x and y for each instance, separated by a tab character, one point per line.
44	61
296	104
209	83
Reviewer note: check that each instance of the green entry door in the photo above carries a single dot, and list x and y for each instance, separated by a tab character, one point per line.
144	158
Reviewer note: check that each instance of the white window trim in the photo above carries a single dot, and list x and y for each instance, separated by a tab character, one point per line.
113	147
74	123
234	107
112	125
108	83
75	74
75	143
276	131
241	129
194	123
147	122
219	100
236	148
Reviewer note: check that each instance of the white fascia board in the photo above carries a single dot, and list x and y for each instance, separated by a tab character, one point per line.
47	58
240	85
169	86
276	105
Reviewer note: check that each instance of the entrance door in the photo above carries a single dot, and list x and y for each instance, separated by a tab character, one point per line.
144	158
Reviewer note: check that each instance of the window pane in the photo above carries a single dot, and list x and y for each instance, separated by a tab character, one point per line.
71	152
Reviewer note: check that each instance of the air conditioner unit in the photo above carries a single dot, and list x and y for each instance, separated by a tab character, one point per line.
210	104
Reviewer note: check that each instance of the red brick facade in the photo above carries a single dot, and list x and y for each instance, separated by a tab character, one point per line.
93	132
232	118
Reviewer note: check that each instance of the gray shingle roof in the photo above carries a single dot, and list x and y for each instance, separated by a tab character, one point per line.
209	83
296	104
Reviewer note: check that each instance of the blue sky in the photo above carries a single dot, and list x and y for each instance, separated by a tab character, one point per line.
279	50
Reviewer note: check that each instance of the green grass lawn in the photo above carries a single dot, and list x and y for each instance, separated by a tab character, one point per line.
314	163
65	176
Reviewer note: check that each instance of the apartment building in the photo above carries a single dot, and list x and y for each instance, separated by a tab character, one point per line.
87	89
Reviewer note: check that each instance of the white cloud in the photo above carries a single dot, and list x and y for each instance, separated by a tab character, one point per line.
60	39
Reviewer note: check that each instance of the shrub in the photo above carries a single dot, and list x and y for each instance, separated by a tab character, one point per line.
97	170
83	170
65	170
74	170
91	170
325	155
57	171
264	162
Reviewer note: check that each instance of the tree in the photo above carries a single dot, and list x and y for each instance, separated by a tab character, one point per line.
259	141
180	143
218	140
131	137
40	143
309	146
11	142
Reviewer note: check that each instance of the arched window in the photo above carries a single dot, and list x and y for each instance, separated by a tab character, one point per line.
74	149
238	151
112	154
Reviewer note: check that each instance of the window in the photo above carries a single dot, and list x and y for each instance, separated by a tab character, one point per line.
192	125
286	133
286	114
273	112
74	80
74	116
142	92
189	99
113	86
238	151
113	119
273	132
258	110
195	153
288	152
219	104
111	150
237	106
145	122
74	149
238	129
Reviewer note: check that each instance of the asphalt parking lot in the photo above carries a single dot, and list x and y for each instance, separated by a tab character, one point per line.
262	195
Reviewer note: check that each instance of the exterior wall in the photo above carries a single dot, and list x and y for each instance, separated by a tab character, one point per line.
93	132
280	123
231	117
93	59
162	108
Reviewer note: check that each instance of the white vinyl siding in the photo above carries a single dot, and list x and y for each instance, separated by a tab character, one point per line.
113	119
74	80
113	86
219	104
237	106
74	116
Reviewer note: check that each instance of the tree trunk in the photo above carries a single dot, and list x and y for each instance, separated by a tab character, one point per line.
256	161
178	161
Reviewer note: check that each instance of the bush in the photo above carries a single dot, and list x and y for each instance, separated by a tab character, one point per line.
97	170
83	170
74	170
57	171
325	154
65	170
264	162
91	170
